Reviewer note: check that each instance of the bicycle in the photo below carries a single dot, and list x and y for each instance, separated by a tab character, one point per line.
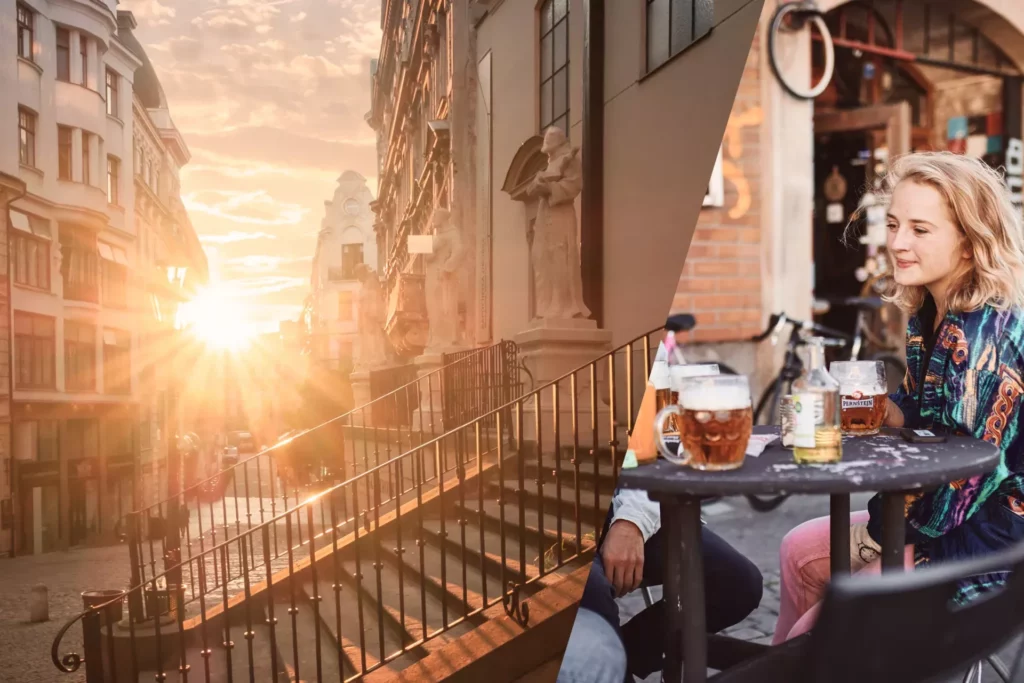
767	410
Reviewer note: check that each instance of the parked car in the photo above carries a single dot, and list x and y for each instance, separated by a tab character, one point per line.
243	441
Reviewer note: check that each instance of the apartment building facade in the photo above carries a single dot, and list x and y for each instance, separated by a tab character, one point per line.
81	306
346	241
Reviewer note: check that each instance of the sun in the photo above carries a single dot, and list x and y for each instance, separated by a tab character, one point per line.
217	318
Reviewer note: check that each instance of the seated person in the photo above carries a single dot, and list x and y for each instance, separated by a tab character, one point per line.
956	245
631	552
594	654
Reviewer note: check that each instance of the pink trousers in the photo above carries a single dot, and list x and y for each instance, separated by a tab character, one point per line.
805	573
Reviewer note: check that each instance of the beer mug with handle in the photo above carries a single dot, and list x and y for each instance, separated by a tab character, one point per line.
862	392
667	421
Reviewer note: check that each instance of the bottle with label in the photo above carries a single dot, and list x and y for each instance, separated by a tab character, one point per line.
817	436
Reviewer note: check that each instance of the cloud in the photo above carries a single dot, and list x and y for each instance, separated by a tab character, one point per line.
185	48
299	17
151	12
235	236
254	208
264	263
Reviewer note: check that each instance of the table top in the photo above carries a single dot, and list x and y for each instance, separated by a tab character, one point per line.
884	462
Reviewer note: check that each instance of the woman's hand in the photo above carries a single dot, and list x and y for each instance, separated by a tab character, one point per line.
893	415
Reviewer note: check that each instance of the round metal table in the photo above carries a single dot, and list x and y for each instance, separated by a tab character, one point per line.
885	463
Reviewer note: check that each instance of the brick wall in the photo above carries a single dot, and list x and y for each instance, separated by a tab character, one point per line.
720	281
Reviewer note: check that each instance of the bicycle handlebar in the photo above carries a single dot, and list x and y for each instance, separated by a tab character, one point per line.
778	320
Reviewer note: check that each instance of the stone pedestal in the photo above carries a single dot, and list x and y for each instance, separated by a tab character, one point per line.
549	349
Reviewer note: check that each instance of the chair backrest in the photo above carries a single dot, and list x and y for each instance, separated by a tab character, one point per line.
904	626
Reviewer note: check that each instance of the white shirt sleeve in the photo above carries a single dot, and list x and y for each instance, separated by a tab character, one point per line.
633	505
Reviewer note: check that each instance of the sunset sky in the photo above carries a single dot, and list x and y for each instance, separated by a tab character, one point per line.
270	97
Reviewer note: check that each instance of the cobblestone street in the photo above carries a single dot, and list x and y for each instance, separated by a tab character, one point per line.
25	647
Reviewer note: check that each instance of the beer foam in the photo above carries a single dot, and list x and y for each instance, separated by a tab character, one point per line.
702	397
865	390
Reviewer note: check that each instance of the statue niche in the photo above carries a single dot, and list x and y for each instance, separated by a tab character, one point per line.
442	281
547	176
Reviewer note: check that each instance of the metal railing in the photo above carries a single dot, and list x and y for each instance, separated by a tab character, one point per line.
256	489
460	522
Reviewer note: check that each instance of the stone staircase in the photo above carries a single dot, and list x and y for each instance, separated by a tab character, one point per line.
411	586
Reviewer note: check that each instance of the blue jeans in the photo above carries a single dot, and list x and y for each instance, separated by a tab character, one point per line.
732	590
594	654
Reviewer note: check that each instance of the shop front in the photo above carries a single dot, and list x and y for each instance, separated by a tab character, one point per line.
821	109
908	76
74	473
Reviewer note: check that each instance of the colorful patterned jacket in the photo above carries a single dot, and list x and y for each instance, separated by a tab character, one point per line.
972	385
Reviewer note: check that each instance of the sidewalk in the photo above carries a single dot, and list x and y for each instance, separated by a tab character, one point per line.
25	647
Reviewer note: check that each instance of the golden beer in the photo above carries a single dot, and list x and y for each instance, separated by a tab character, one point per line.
862	391
862	413
716	439
662	399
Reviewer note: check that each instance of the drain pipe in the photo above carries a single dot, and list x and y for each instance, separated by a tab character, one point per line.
6	206
592	195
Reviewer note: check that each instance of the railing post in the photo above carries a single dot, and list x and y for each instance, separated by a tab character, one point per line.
92	647
135	558
172	542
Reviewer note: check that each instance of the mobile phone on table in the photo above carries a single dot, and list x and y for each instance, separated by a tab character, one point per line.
922	436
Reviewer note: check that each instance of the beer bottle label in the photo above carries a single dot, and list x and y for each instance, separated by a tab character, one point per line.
808	413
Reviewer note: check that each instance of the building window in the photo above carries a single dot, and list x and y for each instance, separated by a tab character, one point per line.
113	275
79	265
345	306
63	54
83	51
63	152
86	158
113	179
31	260
79	356
112	103
26	33
26	137
34	350
554	64
117	377
351	258
674	25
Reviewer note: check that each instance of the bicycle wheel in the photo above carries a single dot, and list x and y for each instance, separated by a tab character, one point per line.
769	403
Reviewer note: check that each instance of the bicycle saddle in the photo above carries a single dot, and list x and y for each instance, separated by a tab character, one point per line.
680	322
870	303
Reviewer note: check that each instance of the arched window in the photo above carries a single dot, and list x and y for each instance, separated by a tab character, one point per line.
554	64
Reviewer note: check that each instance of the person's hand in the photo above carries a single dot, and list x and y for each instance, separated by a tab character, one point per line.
623	556
542	190
893	415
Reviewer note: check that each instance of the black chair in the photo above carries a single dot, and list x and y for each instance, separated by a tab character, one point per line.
901	628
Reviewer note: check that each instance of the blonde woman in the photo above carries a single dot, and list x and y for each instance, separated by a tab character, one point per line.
957	253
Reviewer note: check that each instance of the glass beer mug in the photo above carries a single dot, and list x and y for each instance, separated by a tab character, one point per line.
862	395
666	422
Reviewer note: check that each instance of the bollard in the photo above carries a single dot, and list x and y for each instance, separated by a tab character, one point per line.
39	605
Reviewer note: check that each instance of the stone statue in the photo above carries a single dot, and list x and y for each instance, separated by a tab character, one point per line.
373	345
554	250
442	281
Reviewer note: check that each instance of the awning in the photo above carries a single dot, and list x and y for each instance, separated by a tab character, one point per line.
40	227
111	253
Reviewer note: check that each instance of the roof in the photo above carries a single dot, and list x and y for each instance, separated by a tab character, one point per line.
146	84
